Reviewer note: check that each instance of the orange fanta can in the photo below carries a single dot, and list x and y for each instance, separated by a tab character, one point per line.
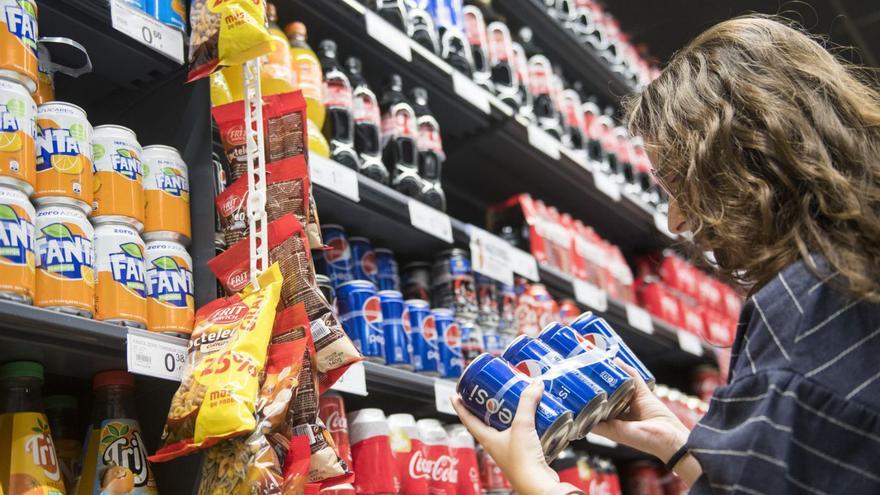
17	132
170	303
119	176
120	295
64	156
18	42
65	260
166	190
17	266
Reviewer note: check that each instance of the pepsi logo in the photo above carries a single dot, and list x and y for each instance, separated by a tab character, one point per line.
372	309
229	314
407	327
368	263
530	367
338	250
429	328
236	280
591	341
452	336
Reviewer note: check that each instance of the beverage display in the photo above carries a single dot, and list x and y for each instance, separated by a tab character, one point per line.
65	258
416	280
505	79
388	276
17	243
169	277
430	150
166	195
413	470
491	476
396	329
367	123
488	315
62	414
423	336
360	312
463	450
597	330
475	30
338	259
18	34
339	123
449	353
17	136
443	479
119	176
471	341
399	135
364	266
121	291
307	69
374	467
452	283
64	155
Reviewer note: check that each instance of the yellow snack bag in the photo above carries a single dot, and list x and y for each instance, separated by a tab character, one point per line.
227	353
225	33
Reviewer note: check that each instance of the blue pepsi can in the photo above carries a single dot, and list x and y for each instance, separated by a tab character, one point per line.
395	326
492	342
618	386
445	13
337	256
388	276
449	357
360	312
562	380
491	388
363	260
171	12
423	336
471	341
593	327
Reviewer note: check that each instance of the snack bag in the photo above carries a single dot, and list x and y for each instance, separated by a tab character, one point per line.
226	32
296	465
227	351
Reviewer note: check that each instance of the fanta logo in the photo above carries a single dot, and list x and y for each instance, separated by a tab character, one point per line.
171	182
494	407
229	314
339	250
21	20
125	448
531	367
336	422
127	268
238	279
54	142
63	253
8	122
419	466
429	329
42	451
127	164
452	335
16	236
169	282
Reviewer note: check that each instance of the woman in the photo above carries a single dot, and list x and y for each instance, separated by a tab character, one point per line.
769	148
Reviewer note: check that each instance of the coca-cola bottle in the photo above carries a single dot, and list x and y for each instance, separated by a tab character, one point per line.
609	143
394	12
374	468
501	56
399	134
462	448
454	46
626	175
521	69
431	155
420	27
413	468
475	29
574	118
339	125
367	124
442	466
541	87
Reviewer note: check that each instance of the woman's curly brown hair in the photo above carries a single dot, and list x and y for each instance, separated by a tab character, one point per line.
771	147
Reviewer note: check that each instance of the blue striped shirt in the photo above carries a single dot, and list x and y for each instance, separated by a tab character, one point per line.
801	410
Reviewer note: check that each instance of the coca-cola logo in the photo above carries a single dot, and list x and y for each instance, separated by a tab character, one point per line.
429	328
229	314
419	466
339	250
236	135
237	279
336	422
442	469
452	336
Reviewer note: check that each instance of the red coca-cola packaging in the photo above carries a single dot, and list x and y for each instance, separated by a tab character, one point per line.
461	446
655	298
344	489
374	469
720	330
679	275
441	465
331	410
704	380
588	257
620	277
709	291
568	311
691	318
409	454
643	478
566	466
538	230
491	477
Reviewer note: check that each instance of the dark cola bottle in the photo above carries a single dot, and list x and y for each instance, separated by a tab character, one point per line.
475	30
399	151
339	124
431	155
541	86
367	123
501	58
420	27
393	11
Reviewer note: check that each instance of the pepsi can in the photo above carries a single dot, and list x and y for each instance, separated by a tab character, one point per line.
452	283
416	280
491	389
363	258
618	386
487	301
492	342
471	341
423	335
337	256
562	380
396	328
388	276
360	312
506	308
449	358
445	13
591	326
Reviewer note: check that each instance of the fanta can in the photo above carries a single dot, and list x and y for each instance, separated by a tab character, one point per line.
65	261
166	190
18	42
120	296
170	304
119	176
17	146
64	155
16	246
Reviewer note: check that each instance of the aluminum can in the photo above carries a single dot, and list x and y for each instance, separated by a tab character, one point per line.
491	388
443	477
119	176
388	276
364	265
65	261
593	327
64	155
416	281
337	257
17	242
18	134
166	192
423	336
409	454
492	342
449	358
396	329
121	292
360	312
18	39
452	283
170	288
471	341
372	460
331	410
563	381
487	301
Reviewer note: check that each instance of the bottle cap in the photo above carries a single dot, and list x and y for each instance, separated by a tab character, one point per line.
112	377
271	12
353	64
60	402
419	96
328	48
22	369
295	29
395	82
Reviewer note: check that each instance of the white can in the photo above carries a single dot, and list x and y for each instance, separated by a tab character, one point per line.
121	291
119	176
65	260
166	191
170	303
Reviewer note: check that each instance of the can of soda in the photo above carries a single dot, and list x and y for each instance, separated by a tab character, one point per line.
326	288
452	283
562	380
487	301
416	280
65	261
423	334
491	389
18	149
492	342
471	341
388	276
17	262
506	307
360	312
449	358
170	303
121	292
604	337
166	193
364	260
618	386
64	155
337	256
396	329
119	176
568	311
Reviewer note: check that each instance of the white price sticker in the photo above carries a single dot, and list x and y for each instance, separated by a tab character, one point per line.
544	142
607	185
490	255
639	319
590	295
429	220
470	91
154	354
661	221
524	264
690	343
149	31
335	177
600	440
388	35
353	381
443	391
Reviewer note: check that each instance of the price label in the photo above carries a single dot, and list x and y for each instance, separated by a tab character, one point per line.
600	440
157	355
149	31
388	35
590	295
544	142
576	156
524	264
444	390
661	221
607	185
333	176
429	220
490	255
353	381
639	319
471	91
690	343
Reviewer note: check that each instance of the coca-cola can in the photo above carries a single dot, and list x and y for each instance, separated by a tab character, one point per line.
492	478
443	479
461	446
409	454
331	410
373	462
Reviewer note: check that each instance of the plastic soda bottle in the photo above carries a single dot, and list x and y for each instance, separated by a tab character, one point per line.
309	77
339	125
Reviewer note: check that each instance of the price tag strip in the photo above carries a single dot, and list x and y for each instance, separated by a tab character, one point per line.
639	319
661	221
149	31
607	185
443	391
429	220
690	343
490	255
335	177
155	354
470	91
388	35
544	142
576	156
353	381
524	264
590	295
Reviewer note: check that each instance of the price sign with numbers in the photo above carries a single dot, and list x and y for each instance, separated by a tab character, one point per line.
590	295
353	381
607	185
524	264
490	255
639	319
152	354
331	175
443	391
544	142
470	91
690	343
429	220
149	31
382	31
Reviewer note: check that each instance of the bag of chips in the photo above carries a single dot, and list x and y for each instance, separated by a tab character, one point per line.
228	32
227	351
